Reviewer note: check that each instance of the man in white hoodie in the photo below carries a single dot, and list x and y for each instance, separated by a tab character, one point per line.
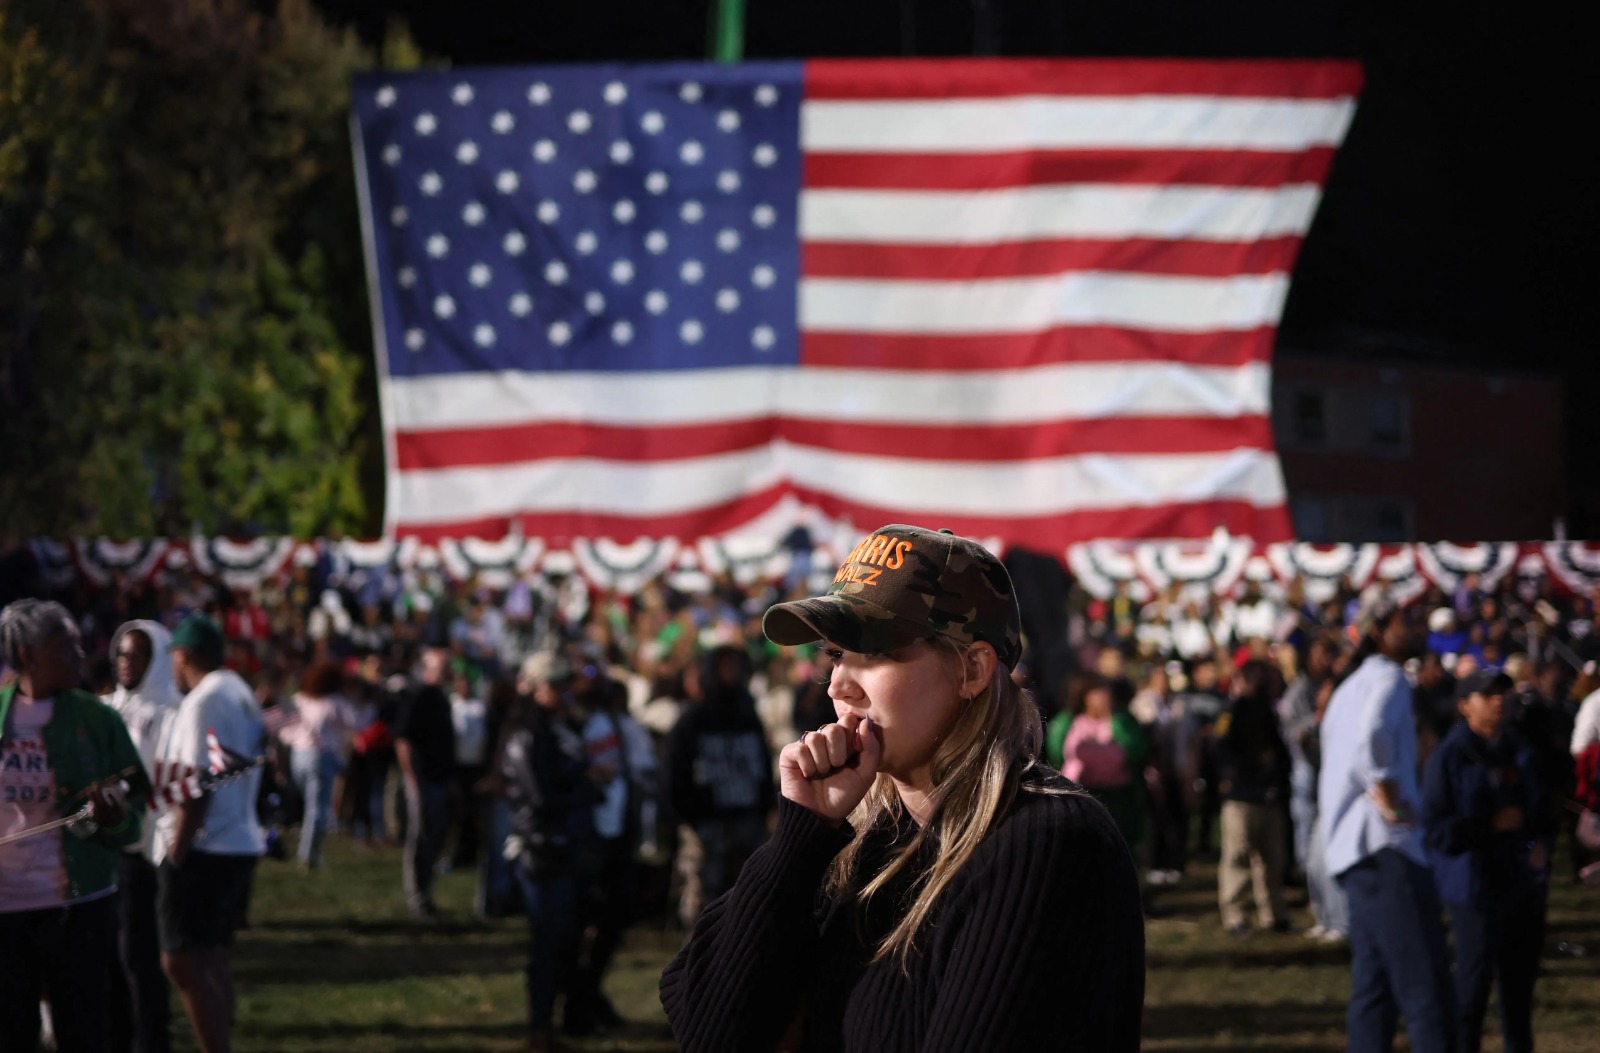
146	697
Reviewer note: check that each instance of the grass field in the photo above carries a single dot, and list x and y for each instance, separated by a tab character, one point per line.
333	964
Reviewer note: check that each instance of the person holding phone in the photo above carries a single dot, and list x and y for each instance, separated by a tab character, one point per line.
930	885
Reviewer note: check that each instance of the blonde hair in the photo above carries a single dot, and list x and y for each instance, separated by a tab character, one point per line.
978	768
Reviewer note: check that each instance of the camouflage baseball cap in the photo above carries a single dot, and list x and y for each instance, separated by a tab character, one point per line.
901	584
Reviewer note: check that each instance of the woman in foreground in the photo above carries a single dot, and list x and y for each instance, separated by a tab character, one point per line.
930	885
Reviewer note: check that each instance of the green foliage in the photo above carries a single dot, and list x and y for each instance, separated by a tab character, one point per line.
183	327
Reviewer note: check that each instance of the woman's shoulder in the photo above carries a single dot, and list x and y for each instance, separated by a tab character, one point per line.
1051	811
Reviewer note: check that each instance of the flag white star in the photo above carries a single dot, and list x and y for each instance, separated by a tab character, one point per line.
763	276
727	301
548	211
544	150
765	155
656	182
690	91
521	304
691	331
728	120
621	332
560	333
539	93
623	211
584	180
586	242
503	122
621	151
656	242
580	121
473	214
415	338
727	180
763	337
692	211
430	183
391	154
407	277
555	272
655	301
652	122
483	334
594	303
515	243
462	94
507	181
728	239
426	123
444	306
399	216
616	92
622	272
438	246
385	96
766	95
467	152
692	271
764	215
479	275
691	152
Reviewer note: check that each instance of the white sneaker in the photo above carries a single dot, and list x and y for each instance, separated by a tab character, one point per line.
1315	932
1333	936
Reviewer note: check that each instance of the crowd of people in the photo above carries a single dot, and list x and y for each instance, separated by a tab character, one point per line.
594	755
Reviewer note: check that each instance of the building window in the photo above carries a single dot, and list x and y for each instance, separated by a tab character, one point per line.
1328	518
1386	420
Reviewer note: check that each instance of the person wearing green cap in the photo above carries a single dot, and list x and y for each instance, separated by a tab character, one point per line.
930	885
206	849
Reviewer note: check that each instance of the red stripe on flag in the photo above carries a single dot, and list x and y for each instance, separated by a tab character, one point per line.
1021	350
1211	259
560	528
942	79
1052	533
532	443
994	171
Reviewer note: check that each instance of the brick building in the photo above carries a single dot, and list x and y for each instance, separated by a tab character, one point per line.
1401	450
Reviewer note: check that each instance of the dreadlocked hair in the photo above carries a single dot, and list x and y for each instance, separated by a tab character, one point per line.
978	768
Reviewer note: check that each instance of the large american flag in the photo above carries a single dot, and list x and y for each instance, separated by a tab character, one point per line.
1033	301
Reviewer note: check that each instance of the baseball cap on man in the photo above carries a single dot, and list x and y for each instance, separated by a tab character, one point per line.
200	633
1484	682
904	583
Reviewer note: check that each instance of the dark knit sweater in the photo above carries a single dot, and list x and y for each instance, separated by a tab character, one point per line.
1038	944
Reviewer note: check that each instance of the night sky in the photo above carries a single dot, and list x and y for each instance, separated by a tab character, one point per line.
1461	216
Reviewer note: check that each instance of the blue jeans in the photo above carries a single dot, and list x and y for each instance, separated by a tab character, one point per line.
314	772
1328	903
552	905
1302	810
1498	943
1398	960
427	821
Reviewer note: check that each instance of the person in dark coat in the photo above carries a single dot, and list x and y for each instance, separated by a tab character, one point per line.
1480	806
930	885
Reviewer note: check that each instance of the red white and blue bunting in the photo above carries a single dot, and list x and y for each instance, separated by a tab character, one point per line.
1221	565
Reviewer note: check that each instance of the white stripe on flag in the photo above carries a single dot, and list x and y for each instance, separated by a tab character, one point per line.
1035	122
1153	302
689	397
1056	485
970	217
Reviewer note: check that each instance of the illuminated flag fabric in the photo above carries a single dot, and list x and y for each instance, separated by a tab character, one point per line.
1030	300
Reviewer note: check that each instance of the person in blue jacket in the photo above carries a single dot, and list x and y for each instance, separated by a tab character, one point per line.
1480	808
